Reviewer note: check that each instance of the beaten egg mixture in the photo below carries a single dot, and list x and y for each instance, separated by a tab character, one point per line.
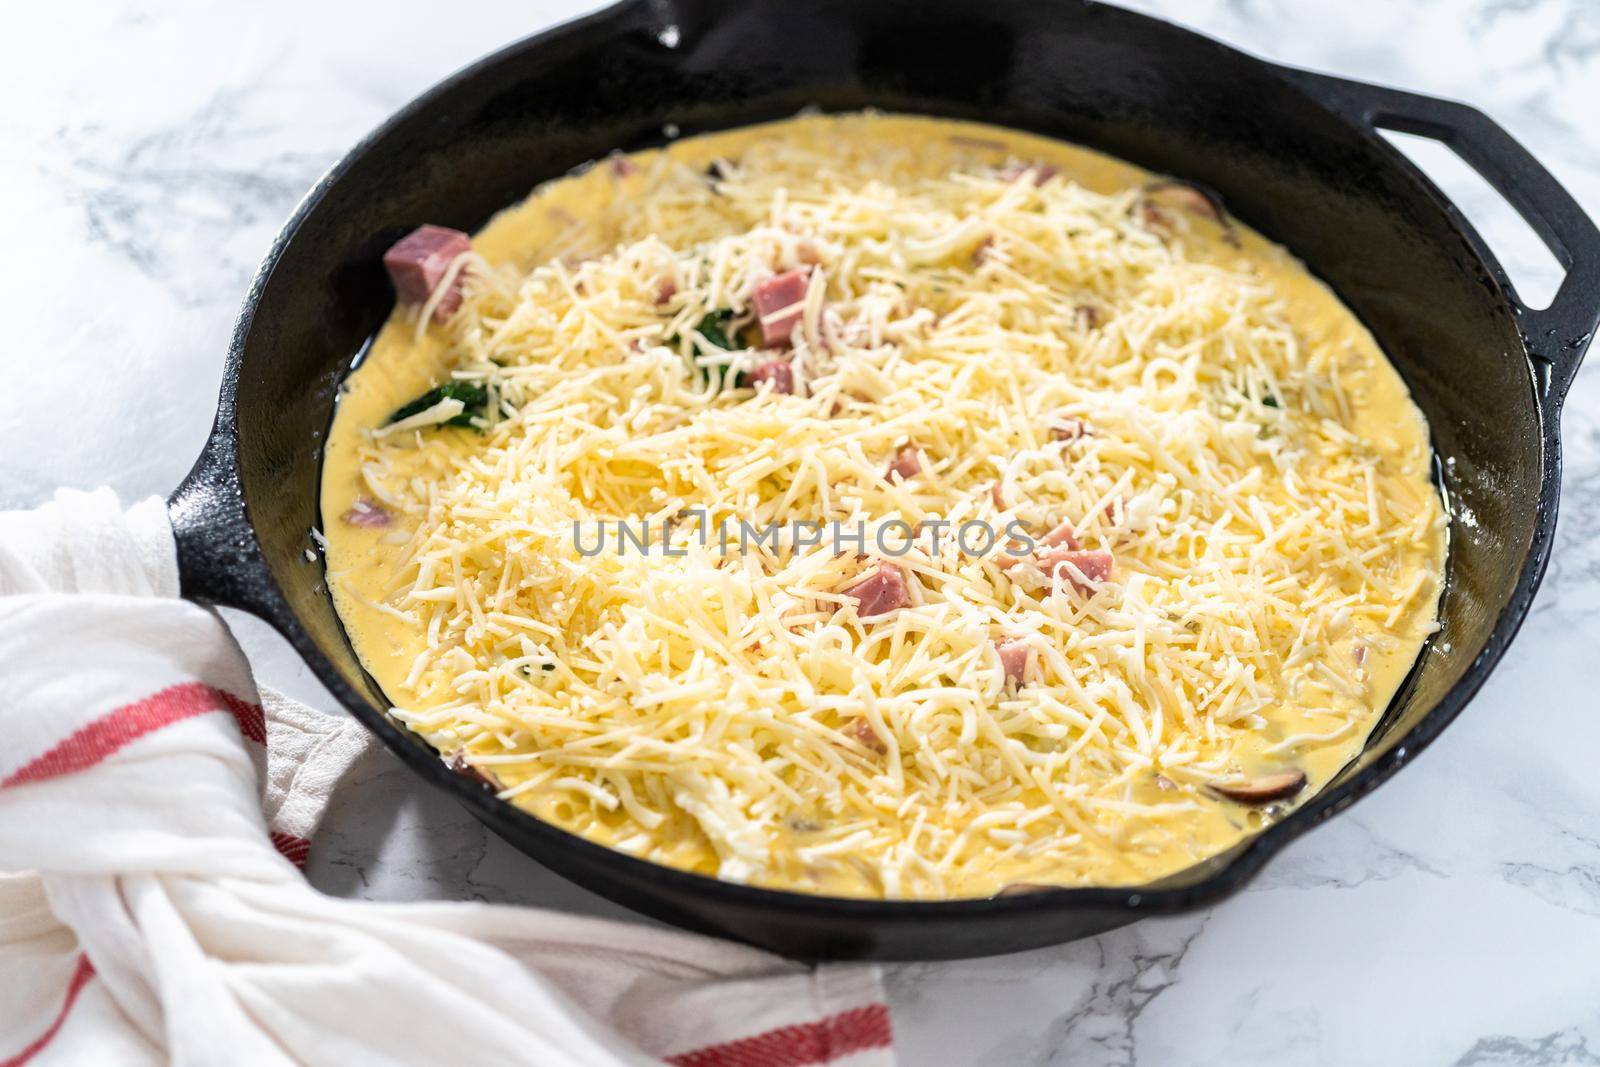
1221	548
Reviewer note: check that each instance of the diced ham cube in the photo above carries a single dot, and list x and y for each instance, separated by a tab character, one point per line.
666	290
1014	657
779	305
879	593
906	463
1095	567
1011	554
1063	534
418	261
366	513
776	372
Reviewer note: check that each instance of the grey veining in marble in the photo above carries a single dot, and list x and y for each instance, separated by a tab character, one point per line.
150	150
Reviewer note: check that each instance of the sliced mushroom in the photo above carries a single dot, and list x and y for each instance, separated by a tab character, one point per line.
1066	429
368	514
1263	789
1040	172
1186	196
458	763
861	732
1174	195
1153	216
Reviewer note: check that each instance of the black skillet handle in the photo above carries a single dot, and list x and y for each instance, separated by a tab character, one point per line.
1558	335
219	559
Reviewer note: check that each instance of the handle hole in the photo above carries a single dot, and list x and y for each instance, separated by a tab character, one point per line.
1534	271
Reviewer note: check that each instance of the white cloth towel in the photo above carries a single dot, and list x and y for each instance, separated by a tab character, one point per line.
153	811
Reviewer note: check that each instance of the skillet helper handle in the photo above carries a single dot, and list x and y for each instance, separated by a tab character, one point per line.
219	559
1558	335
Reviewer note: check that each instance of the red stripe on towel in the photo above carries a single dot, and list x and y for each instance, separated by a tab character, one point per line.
80	978
294	849
92	743
252	719
823	1041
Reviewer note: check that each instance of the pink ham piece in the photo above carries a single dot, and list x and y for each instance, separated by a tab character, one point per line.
1063	534
1095	567
418	262
879	593
367	514
1011	554
1014	657
778	302
906	463
776	373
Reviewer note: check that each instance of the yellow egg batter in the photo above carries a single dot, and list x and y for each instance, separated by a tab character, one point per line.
1054	335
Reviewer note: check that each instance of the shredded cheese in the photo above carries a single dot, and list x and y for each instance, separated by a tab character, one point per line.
726	710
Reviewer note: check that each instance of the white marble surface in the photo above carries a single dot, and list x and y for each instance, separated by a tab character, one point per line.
149	151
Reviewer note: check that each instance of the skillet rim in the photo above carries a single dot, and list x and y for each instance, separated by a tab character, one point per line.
217	473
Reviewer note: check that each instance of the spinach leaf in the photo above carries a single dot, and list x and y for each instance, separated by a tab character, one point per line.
714	328
474	399
714	333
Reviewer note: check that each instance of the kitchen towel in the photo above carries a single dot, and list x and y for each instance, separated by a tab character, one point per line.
155	808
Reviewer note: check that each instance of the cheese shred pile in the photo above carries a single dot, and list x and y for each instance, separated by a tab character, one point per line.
1124	360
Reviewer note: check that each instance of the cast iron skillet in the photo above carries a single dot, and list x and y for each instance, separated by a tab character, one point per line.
1294	154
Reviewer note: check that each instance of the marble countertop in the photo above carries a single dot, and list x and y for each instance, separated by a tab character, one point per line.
152	150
